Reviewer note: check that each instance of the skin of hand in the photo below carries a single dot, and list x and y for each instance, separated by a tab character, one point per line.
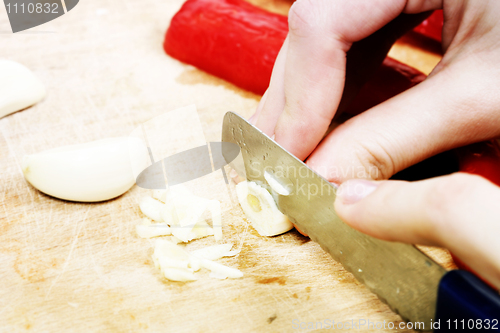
459	212
456	105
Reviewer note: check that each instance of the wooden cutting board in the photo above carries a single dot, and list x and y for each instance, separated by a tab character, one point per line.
80	267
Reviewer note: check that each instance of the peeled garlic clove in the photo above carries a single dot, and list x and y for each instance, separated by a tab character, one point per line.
151	208
260	208
94	171
19	87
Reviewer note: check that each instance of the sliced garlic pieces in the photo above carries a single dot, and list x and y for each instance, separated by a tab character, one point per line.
177	264
260	208
89	172
183	212
19	87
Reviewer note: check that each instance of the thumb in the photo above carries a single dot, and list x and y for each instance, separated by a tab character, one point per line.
459	212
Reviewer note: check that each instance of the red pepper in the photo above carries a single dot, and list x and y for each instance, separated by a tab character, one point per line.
482	159
390	79
432	27
231	39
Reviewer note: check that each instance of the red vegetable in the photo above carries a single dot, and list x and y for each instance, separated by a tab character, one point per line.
482	159
231	39
390	79
432	27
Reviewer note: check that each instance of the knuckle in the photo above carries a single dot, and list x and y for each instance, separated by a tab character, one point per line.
376	162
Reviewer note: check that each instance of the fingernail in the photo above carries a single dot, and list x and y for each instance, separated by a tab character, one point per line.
356	189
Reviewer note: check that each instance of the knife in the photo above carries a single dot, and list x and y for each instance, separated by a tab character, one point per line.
399	274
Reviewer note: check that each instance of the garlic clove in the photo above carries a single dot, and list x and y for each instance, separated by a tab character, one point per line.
19	87
261	209
94	171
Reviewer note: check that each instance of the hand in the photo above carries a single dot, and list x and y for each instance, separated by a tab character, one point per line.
459	212
456	105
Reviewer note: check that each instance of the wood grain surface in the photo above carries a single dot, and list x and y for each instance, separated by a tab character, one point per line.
80	267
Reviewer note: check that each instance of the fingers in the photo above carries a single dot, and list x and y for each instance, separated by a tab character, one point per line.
316	61
273	101
454	107
308	78
459	212
311	73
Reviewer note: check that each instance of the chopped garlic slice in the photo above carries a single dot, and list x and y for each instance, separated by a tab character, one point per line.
178	274
160	195
214	207
221	270
261	209
177	264
183	211
215	252
146	221
164	248
151	208
153	230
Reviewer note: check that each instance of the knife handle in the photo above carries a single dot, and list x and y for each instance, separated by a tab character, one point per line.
465	302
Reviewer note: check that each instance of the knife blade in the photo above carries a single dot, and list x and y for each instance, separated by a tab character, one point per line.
399	274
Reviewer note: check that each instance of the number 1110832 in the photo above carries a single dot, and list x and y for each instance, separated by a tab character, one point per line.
32	8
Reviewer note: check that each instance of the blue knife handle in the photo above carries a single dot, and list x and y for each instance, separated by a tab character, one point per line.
466	303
